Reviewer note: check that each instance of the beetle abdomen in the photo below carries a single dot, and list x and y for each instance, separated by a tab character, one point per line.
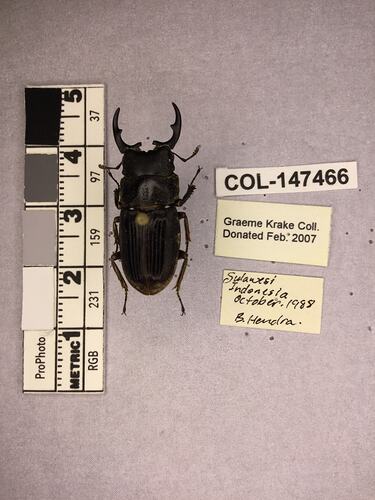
149	242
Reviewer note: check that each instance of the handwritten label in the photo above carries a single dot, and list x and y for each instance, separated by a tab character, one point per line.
316	177
273	231
272	301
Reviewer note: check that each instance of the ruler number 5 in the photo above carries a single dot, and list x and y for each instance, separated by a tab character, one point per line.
73	95
94	116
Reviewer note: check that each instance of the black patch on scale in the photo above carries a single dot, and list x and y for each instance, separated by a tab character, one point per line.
43	114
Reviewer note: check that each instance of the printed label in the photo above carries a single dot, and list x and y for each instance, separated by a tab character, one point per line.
272	301
39	365
267	180
273	231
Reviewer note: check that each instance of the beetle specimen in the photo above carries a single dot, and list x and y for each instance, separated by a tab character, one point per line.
147	232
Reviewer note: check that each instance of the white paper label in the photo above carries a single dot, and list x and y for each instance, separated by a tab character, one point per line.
301	178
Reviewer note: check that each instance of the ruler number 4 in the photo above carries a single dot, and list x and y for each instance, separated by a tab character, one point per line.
73	156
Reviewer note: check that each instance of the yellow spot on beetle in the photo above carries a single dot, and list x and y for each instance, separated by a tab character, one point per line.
142	219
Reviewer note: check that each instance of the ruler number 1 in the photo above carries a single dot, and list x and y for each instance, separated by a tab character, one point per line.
94	116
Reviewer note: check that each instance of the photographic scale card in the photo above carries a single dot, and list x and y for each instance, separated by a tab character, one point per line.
63	239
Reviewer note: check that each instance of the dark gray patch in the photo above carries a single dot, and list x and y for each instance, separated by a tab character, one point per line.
371	242
41	178
206	246
272	338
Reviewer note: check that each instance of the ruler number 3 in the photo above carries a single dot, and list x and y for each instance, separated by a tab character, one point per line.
94	116
75	214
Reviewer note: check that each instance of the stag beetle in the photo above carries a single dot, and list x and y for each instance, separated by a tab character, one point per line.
147	232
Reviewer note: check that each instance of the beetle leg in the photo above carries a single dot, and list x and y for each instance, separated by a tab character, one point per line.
116	192
116	256
183	255
104	167
116	220
189	191
108	169
189	157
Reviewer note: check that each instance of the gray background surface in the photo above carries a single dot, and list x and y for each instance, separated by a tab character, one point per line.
194	410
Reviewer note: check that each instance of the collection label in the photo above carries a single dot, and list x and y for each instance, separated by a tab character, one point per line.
273	231
301	178
272	301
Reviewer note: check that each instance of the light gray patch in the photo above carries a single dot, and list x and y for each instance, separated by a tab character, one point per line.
39	238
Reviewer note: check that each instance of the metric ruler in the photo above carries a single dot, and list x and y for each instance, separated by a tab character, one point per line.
64	244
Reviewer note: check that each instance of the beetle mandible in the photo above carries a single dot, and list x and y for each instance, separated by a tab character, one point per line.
147	232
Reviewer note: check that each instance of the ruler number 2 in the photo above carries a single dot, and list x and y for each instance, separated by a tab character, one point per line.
68	276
